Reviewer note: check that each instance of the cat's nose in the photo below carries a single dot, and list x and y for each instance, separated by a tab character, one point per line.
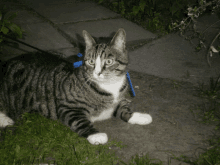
98	73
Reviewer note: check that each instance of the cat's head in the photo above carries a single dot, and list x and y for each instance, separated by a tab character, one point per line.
104	62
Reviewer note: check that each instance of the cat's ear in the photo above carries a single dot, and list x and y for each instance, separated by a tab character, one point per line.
119	40
90	42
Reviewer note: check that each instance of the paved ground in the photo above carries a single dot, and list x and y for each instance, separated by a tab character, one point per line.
158	68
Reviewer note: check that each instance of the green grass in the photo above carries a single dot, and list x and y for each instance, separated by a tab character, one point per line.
140	159
39	140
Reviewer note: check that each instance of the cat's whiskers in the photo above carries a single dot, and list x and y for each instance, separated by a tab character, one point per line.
88	79
89	82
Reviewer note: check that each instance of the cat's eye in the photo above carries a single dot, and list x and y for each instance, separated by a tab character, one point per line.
91	62
109	61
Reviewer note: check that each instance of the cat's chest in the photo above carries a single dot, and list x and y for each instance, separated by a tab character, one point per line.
113	87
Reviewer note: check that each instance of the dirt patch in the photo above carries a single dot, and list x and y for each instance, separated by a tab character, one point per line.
174	128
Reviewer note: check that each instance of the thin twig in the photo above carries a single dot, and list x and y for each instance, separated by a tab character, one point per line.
210	26
188	23
210	48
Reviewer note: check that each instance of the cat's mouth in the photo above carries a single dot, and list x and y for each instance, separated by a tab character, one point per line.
98	76
101	77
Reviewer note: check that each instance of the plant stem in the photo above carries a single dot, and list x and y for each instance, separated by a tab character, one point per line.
210	48
210	26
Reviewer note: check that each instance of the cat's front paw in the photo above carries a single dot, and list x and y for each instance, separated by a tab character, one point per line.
140	118
5	120
98	138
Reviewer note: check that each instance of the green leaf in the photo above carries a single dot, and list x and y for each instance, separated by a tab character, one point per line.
142	5
195	9
150	12
15	29
201	2
123	11
115	3
136	10
4	30
174	8
6	22
10	16
100	1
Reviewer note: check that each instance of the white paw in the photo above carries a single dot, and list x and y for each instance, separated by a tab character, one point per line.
140	118
98	138
5	120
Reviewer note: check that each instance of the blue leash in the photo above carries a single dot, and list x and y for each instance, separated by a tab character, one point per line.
79	63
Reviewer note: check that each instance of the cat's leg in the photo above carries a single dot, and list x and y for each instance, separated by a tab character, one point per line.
93	136
79	123
5	120
123	111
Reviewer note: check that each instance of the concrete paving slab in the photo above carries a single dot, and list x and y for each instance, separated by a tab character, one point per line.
107	29
10	4
173	57
73	12
40	35
66	52
25	17
44	37
47	2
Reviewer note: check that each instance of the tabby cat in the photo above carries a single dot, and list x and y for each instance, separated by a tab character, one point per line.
77	97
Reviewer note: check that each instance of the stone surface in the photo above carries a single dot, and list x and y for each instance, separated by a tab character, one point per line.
107	29
25	17
173	57
40	35
71	12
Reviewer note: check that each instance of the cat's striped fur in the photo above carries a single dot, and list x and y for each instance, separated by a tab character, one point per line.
77	97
